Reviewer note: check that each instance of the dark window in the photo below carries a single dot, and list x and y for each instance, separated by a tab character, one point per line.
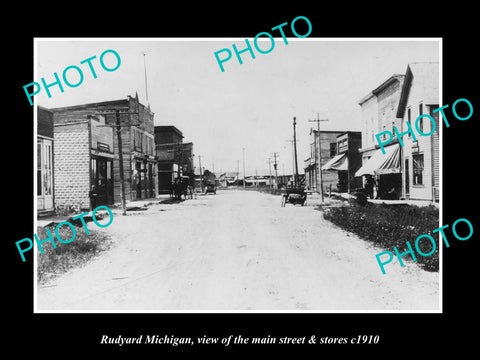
137	140
420	122
333	149
39	169
417	169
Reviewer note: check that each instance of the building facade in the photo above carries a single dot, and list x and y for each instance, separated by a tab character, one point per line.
83	161
379	113
175	158
228	178
45	162
420	154
89	148
328	148
347	161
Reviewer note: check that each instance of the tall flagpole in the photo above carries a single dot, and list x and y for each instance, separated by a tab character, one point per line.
145	69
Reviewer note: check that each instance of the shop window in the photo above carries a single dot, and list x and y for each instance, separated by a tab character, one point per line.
420	112
417	169
44	168
137	140
39	169
333	149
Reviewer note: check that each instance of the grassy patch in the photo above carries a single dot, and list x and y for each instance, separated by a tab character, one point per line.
391	225
66	256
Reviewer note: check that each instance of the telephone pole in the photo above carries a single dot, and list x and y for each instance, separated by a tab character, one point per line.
275	155
118	127
293	159
319	151
295	150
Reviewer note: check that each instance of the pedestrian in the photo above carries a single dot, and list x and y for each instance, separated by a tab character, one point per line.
369	185
93	194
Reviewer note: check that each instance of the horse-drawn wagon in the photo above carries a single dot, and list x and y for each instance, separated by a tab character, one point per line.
294	195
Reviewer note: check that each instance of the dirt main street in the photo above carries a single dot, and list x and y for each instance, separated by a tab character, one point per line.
237	251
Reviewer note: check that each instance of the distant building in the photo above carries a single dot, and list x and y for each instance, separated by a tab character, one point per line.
45	161
259	181
420	157
227	179
87	170
328	144
347	161
379	113
175	158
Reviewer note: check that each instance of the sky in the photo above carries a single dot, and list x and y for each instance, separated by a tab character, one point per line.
248	106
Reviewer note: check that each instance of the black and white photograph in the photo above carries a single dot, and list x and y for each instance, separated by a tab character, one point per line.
253	186
225	180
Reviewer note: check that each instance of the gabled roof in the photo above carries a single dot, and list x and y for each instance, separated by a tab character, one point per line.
426	74
392	79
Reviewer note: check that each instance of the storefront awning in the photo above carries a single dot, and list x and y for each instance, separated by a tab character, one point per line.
380	164
338	162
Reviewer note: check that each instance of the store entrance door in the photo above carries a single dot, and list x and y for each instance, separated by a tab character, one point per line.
102	182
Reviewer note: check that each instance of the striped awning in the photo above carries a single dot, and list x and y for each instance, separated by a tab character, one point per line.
380	164
338	162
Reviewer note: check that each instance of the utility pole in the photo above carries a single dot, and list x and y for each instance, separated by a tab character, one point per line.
319	163
295	150
118	127
275	154
293	160
243	168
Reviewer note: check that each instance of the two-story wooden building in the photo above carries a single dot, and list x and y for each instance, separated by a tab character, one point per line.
175	158
347	161
87	171
379	113
327	151
420	155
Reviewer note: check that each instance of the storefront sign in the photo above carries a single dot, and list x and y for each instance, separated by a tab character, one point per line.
103	147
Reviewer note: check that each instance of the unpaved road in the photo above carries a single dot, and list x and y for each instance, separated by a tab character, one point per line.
237	251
